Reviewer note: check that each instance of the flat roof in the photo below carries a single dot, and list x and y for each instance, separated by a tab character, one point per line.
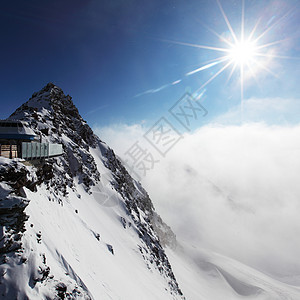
28	137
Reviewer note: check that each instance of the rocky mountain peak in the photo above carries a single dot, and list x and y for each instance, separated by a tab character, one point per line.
88	168
51	90
51	109
55	119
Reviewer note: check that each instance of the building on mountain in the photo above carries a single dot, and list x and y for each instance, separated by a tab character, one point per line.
18	140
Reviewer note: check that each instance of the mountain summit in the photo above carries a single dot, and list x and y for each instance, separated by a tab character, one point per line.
78	226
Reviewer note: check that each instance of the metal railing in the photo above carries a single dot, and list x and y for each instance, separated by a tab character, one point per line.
36	150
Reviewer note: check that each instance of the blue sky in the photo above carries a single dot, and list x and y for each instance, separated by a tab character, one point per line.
104	53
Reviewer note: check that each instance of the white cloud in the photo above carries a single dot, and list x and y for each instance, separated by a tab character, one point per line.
120	137
232	189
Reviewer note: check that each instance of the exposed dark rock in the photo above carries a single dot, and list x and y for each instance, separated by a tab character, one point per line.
61	290
110	249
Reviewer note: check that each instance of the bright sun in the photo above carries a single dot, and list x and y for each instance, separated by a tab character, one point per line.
245	53
242	52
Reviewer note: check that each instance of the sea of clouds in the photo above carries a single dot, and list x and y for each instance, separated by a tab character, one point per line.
232	189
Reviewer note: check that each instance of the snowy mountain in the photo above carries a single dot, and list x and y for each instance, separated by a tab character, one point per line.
78	226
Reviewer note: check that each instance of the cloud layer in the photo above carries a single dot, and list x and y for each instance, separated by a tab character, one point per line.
232	189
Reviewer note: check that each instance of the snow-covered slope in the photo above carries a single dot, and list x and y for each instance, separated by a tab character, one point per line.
78	226
204	275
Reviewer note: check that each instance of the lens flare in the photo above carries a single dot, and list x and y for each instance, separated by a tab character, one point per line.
246	54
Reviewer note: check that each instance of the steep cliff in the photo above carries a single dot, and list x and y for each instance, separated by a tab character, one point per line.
78	226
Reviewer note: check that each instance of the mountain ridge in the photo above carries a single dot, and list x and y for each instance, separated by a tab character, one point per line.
88	169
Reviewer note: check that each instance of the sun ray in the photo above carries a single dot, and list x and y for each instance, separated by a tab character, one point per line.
207	66
272	26
277	56
243	21
249	66
252	72
197	46
262	66
231	72
227	22
214	76
253	30
271	44
219	36
215	59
